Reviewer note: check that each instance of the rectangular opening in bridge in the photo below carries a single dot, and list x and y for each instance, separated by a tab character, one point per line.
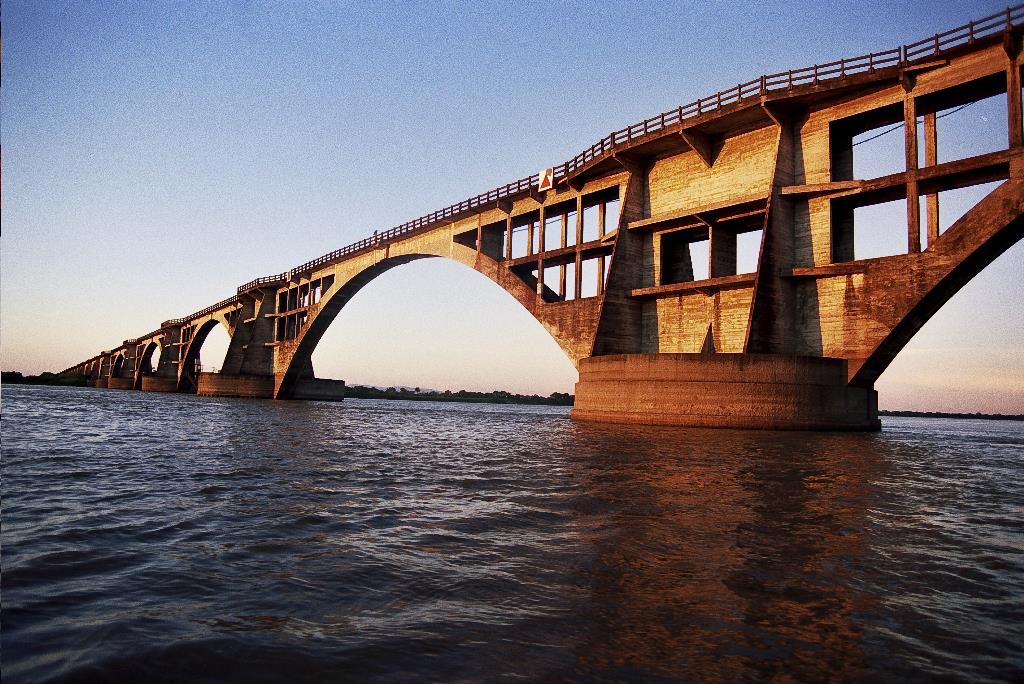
684	255
570	228
304	295
748	250
552	231
559	225
570	281
880	230
699	258
467	238
588	278
611	215
527	273
951	205
966	121
868	145
525	234
553	287
596	207
591	216
493	240
520	244
282	301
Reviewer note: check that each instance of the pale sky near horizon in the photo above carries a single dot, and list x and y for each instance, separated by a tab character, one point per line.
157	155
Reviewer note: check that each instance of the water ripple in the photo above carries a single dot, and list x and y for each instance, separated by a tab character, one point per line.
175	538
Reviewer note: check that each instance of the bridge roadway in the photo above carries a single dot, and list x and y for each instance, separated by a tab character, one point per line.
629	259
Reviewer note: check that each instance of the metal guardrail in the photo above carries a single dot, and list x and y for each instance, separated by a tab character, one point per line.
936	45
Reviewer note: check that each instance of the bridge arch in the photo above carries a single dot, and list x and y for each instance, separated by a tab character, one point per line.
299	360
197	336
151	357
117	365
984	233
945	351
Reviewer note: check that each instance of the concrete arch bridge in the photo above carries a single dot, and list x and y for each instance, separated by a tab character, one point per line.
630	254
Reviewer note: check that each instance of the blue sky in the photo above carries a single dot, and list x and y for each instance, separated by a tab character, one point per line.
156	155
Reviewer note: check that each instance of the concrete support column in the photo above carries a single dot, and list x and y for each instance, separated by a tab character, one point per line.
601	229
540	252
508	237
1013	101
910	147
722	249
564	240
931	159
579	240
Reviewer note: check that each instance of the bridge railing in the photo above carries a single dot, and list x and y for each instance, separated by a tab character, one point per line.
938	44
265	280
149	335
199	314
965	35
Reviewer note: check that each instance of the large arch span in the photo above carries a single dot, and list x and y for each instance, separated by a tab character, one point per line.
348	282
435	323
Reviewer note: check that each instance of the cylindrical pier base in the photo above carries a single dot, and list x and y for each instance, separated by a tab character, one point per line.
319	389
159	383
222	385
758	391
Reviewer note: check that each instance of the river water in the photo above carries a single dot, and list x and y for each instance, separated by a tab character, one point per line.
151	537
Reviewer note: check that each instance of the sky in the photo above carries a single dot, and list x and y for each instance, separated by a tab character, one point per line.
157	155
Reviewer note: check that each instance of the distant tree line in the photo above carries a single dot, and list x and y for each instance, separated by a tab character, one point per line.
496	397
941	414
16	378
355	391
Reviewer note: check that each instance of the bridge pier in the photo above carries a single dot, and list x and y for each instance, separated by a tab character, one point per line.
224	385
120	383
262	387
159	383
757	391
318	389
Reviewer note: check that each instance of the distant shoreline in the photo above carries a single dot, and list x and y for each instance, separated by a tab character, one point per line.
16	378
944	414
495	397
351	391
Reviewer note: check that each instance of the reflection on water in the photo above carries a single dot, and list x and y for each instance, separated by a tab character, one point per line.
175	537
734	559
